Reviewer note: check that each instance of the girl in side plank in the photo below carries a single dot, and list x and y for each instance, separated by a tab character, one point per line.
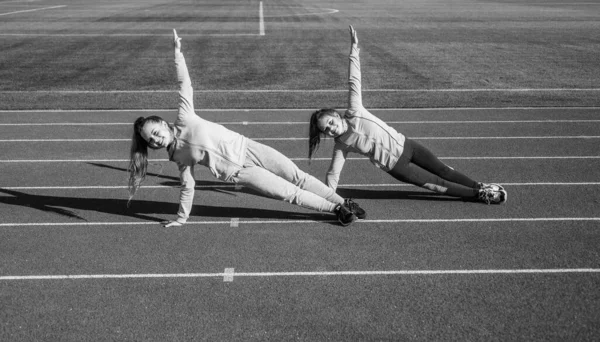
230	157
404	159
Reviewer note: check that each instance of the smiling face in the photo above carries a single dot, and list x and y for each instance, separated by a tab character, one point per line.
332	125
157	134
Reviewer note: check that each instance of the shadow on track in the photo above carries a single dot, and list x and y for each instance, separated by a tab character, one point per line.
395	194
141	209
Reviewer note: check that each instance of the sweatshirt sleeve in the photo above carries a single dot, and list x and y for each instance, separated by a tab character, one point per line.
186	195
337	164
354	94
186	92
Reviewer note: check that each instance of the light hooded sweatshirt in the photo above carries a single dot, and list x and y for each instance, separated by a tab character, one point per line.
198	141
366	135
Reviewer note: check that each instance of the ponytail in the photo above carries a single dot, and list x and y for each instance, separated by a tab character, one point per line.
138	155
314	133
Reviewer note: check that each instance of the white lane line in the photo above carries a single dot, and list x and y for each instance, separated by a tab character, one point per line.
20	111
264	222
32	10
239	187
270	91
261	20
228	274
302	139
262	123
111	35
293	159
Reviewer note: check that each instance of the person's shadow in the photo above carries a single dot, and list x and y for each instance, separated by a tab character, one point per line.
75	208
424	195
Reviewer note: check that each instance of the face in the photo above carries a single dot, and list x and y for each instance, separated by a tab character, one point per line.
157	134
332	125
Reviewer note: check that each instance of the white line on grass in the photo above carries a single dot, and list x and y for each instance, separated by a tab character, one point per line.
300	139
262	123
261	23
294	159
114	35
265	222
19	111
238	187
229	274
32	10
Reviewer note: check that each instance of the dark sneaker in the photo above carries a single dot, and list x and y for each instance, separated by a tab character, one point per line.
344	215
355	208
491	196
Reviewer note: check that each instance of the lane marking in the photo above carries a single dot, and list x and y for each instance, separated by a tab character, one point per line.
226	185
293	159
269	91
318	11
228	222
32	10
19	111
235	222
246	123
261	22
228	274
301	139
115	35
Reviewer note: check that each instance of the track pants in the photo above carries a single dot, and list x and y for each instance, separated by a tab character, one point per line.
272	174
418	166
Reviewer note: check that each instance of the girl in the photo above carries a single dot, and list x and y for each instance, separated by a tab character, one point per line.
404	159
230	157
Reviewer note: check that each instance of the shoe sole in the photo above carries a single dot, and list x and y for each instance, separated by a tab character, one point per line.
354	218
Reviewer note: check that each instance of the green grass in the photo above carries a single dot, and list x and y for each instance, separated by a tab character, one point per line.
406	45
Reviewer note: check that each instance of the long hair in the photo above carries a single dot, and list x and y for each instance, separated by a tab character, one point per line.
314	134
138	155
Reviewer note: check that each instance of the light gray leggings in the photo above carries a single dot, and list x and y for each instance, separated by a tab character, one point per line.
269	172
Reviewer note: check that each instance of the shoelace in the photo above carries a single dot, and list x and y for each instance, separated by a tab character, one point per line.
486	195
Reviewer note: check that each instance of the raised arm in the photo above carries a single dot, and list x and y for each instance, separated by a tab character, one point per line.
354	94
337	164
186	93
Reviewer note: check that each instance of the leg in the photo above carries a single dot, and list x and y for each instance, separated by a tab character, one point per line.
274	161
409	172
424	158
271	185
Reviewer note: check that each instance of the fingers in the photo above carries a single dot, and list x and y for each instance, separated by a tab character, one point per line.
168	224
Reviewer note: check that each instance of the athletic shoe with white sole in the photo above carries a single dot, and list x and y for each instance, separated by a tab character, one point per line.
491	196
344	215
355	208
492	186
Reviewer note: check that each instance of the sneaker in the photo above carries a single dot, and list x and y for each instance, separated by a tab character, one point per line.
492	186
491	196
344	214
355	208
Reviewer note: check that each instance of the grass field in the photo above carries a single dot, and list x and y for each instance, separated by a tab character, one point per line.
505	91
414	53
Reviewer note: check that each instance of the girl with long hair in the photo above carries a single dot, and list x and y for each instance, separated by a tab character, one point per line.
359	131
229	156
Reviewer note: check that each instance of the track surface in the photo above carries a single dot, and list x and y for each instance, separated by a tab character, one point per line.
120	275
78	264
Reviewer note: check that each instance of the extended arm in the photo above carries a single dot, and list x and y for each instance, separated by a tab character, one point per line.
186	195
186	92
337	164
354	94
